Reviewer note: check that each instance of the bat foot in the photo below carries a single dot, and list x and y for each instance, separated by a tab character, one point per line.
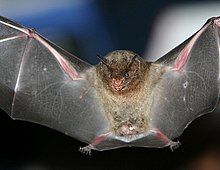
168	142
174	145
86	150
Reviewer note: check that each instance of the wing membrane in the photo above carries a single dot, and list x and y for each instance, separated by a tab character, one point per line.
42	83
186	93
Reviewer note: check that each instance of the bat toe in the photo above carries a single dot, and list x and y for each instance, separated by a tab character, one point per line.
173	145
86	150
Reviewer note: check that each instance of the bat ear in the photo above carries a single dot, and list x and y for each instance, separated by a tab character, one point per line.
135	58
103	60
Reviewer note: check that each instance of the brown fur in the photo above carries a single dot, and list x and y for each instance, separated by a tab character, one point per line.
128	111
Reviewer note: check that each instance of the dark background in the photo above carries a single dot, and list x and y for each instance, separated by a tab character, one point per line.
87	28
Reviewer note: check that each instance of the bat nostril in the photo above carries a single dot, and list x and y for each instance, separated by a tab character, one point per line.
117	81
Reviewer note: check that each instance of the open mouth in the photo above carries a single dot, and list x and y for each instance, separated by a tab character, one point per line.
118	88
118	84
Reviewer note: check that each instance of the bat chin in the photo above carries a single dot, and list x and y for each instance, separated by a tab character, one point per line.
118	88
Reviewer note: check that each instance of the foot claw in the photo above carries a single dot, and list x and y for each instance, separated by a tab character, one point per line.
174	145
86	150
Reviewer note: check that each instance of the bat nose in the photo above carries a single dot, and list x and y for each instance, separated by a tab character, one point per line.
117	81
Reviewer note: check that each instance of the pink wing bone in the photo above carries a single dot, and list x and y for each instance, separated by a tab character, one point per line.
67	68
217	21
12	38
168	142
184	54
217	24
97	140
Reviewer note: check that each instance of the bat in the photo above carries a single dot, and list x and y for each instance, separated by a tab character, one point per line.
122	101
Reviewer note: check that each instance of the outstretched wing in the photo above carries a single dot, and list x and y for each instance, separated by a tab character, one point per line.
190	85
42	83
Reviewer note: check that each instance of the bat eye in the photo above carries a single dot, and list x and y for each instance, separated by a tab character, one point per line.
126	75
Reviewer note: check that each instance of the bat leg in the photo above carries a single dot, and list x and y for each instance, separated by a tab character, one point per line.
173	145
87	149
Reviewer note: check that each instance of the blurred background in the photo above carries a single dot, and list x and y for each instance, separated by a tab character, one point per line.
90	27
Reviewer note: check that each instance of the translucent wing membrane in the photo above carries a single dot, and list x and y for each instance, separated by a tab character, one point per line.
42	83
191	88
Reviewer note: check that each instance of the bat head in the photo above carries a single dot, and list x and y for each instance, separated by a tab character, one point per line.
121	71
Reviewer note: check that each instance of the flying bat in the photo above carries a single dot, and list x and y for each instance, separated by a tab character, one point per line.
122	101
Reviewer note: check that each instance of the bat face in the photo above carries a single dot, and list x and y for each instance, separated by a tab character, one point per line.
121	71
